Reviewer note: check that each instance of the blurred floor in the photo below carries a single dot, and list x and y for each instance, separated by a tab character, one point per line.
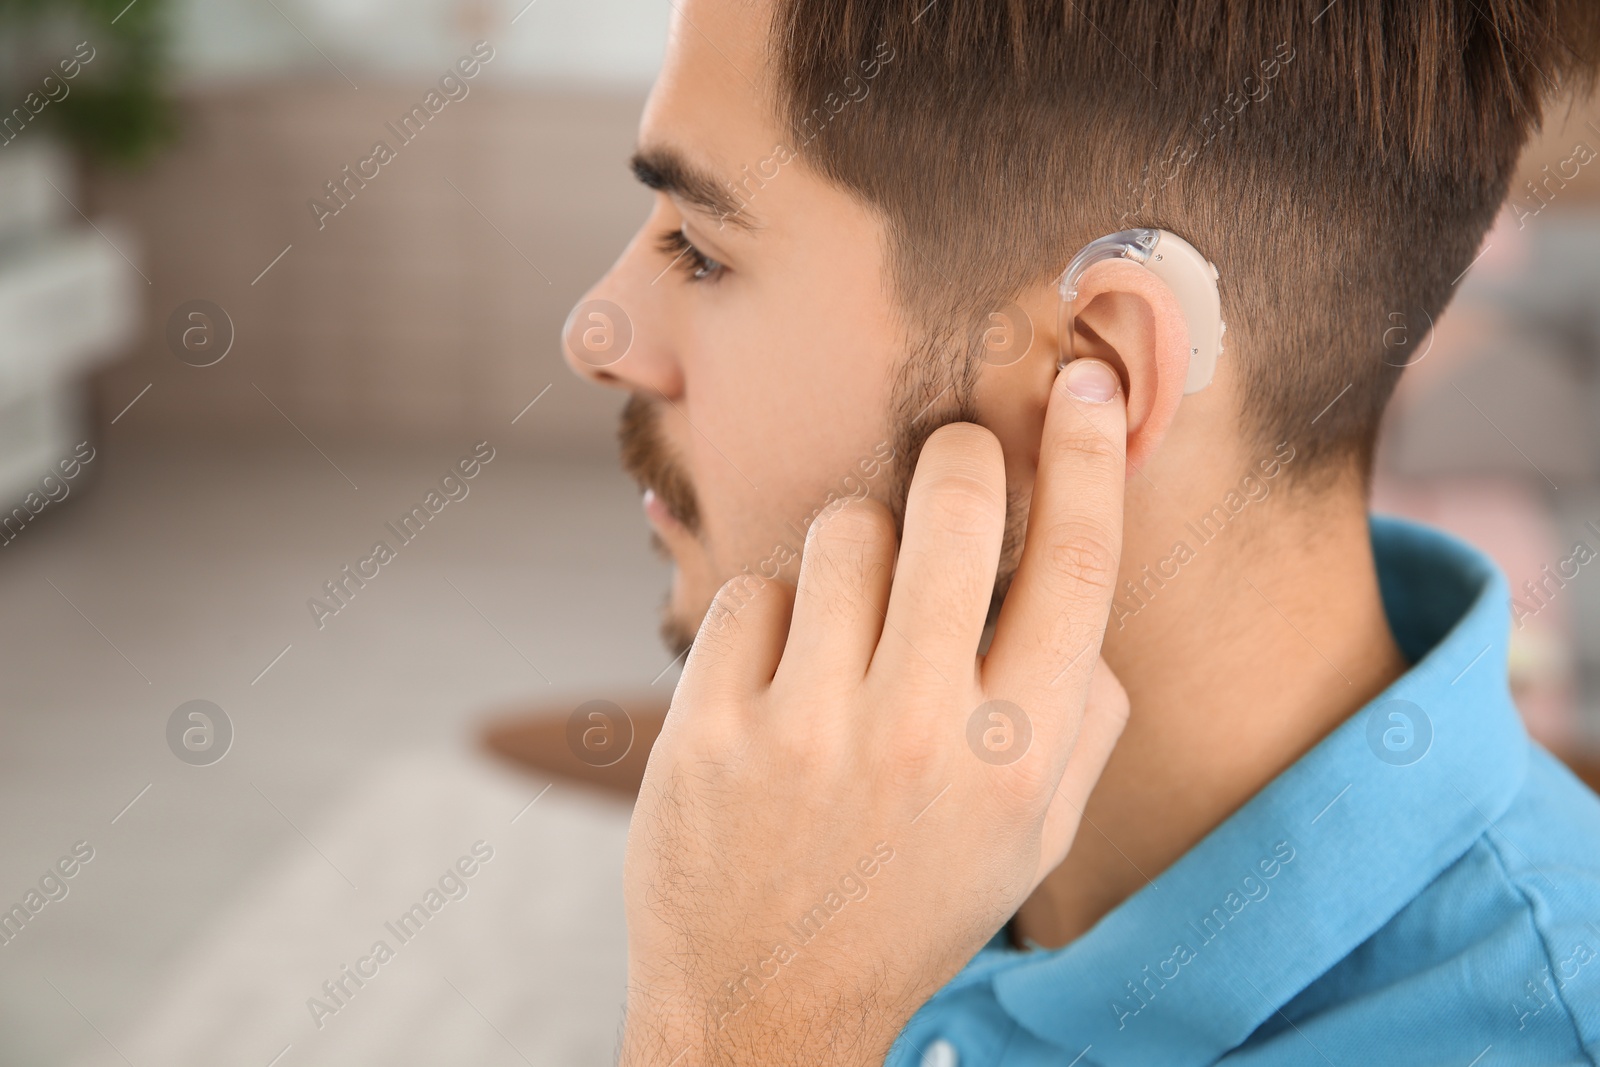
188	572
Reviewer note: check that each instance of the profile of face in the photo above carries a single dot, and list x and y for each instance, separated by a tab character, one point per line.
768	365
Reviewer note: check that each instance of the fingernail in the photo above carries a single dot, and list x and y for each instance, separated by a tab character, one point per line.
1091	380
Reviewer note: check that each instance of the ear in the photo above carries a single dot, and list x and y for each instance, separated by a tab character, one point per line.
1129	318
1126	316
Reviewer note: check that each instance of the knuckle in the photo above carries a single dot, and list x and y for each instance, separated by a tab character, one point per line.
715	637
1113	713
1082	554
904	749
847	549
851	528
964	502
713	642
717	744
1117	707
1026	785
720	629
808	747
797	753
1108	699
958	439
735	594
912	757
963	450
1091	449
967	513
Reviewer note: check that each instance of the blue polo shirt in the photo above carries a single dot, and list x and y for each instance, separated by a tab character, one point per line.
1422	887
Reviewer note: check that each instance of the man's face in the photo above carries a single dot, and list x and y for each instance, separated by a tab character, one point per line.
764	343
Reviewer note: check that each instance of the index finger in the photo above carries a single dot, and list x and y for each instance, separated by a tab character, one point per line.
1047	639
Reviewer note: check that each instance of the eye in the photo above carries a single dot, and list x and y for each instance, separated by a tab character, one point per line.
699	266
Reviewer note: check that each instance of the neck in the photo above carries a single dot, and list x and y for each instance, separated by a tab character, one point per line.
1238	655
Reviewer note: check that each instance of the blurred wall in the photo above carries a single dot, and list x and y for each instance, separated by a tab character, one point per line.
428	307
587	42
1565	126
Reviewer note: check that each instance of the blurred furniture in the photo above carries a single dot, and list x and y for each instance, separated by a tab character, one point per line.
539	741
1492	436
68	299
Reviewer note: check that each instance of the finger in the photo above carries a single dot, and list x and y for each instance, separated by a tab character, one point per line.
1104	716
1047	638
740	640
944	575
843	591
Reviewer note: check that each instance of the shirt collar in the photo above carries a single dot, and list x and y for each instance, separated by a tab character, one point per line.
1320	859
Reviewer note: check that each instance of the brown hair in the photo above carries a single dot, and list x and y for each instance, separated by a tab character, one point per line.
1340	163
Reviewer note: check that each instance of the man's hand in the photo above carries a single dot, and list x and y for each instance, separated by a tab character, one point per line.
847	800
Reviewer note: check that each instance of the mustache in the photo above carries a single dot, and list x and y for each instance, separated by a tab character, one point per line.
648	461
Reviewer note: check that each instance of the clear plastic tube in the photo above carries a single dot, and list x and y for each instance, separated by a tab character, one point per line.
1127	244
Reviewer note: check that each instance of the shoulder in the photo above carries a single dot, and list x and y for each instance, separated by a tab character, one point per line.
1501	950
1548	846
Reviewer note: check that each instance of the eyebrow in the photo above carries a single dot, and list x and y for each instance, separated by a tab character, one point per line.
667	171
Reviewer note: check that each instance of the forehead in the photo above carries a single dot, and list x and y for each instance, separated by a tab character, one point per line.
712	102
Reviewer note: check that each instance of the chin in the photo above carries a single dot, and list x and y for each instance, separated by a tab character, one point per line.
694	585
678	627
675	626
682	611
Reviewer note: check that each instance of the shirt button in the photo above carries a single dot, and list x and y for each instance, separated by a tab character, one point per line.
940	1053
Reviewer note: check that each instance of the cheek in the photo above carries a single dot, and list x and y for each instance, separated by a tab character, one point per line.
788	372
785	407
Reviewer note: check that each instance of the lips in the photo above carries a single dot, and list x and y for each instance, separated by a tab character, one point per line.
657	511
669	498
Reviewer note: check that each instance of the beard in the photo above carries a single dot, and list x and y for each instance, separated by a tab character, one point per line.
933	387
648	461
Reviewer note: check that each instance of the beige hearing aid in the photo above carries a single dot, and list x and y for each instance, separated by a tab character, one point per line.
1191	277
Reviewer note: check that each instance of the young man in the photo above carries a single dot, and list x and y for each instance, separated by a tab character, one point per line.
890	814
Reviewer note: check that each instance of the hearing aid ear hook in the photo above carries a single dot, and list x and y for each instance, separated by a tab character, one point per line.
1191	277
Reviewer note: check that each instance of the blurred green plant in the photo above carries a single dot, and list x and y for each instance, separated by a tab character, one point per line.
119	109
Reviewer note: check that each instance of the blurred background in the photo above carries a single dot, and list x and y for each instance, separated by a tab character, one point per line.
214	397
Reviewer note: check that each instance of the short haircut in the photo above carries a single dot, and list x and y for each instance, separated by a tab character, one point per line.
1340	162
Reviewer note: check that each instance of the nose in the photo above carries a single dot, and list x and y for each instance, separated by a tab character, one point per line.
620	334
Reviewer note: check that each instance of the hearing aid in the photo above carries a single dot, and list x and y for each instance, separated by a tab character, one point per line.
1191	277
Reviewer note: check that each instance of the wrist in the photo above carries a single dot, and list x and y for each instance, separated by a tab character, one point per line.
833	1031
